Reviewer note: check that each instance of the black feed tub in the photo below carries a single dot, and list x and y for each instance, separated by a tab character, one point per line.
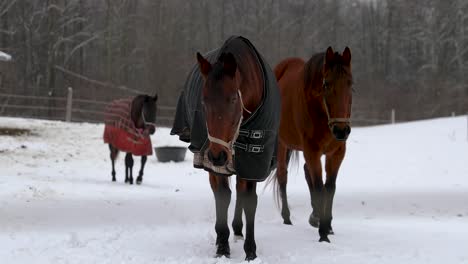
166	154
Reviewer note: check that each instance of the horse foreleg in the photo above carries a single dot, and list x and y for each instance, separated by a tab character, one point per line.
250	207
113	156
282	178
313	175
222	194
140	174
332	165
237	224
129	168
314	218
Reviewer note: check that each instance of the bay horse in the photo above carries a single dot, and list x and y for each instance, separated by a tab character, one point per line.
229	112
316	98
128	124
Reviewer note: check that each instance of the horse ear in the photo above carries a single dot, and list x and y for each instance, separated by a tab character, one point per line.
329	56
347	56
205	66
155	97
229	64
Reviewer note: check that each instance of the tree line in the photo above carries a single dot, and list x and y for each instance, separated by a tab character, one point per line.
408	55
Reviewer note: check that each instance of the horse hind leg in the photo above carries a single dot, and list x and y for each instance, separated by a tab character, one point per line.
140	174
129	168
113	156
282	181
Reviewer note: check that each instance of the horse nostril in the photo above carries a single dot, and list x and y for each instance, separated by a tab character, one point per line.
347	130
335	130
341	134
220	160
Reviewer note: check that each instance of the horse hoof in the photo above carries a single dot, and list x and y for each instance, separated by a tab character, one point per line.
250	256
330	231
287	222
324	239
113	180
138	182
223	255
223	250
314	221
238	237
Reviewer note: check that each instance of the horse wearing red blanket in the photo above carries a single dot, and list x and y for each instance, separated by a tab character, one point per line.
128	125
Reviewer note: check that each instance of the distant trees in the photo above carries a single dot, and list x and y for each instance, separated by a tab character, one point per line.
408	55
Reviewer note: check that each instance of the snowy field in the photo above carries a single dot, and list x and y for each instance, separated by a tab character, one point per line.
402	197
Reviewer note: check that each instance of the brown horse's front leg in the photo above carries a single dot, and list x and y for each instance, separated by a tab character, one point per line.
250	207
222	194
237	224
313	175
332	165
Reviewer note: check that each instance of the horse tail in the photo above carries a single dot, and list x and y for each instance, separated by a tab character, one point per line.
291	161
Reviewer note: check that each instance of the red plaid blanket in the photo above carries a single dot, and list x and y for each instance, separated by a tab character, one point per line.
120	131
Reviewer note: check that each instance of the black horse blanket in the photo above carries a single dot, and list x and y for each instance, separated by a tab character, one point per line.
255	148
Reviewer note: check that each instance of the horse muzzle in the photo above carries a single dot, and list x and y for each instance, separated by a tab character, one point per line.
149	130
218	160
340	131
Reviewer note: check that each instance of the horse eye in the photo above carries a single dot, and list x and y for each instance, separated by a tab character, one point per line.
325	84
233	100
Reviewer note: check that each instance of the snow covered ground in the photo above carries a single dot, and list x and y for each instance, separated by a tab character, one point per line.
402	197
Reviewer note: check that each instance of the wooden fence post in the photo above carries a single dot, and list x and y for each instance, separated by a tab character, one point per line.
69	105
393	116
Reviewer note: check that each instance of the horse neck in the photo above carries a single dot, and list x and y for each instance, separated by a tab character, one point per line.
252	84
135	112
250	71
313	105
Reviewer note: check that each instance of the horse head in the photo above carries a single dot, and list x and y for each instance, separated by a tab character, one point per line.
222	104
144	113
336	92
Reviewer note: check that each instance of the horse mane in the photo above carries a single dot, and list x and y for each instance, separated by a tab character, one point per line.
136	107
240	49
314	66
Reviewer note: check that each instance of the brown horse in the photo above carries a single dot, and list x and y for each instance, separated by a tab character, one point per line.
230	90
229	112
315	118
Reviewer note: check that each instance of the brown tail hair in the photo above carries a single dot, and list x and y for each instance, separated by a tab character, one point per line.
292	161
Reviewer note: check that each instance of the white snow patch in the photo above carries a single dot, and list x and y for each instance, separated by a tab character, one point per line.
401	198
